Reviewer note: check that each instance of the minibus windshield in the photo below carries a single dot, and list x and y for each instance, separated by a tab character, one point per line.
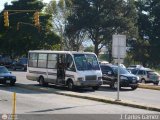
86	62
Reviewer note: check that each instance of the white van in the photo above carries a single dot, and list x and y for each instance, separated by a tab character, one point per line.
64	68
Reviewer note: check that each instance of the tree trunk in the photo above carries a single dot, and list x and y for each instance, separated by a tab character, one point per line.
96	51
110	55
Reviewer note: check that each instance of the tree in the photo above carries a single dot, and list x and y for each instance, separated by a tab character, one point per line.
140	48
154	32
89	49
60	11
149	30
100	19
140	51
22	35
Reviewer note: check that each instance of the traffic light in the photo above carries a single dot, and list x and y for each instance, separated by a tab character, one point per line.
6	20
36	19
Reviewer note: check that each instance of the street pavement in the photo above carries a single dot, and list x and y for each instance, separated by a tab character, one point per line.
140	96
42	104
35	102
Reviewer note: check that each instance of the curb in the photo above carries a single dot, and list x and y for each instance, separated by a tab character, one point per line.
149	87
144	86
89	97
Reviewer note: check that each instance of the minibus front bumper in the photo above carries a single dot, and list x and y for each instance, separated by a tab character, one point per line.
89	83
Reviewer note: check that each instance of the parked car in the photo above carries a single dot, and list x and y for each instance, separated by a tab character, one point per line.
110	73
147	75
131	67
21	64
5	61
122	65
104	62
6	77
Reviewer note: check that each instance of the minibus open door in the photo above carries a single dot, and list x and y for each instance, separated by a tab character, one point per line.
61	69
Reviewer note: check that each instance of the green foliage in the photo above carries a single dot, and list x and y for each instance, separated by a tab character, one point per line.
60	11
103	57
149	32
102	18
140	51
89	49
22	35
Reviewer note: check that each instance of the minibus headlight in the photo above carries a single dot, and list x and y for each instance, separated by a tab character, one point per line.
80	79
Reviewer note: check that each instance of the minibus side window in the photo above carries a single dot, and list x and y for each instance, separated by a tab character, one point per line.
32	60
42	60
70	63
52	61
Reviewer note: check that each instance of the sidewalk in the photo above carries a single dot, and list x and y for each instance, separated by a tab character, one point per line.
99	98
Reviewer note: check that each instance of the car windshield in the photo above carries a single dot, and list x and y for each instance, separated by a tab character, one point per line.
86	62
121	70
3	70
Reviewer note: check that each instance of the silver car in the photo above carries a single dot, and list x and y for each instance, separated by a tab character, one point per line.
147	75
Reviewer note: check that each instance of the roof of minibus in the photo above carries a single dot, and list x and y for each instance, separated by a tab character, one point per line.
51	51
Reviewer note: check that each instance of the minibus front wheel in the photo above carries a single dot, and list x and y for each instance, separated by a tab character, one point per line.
95	87
70	85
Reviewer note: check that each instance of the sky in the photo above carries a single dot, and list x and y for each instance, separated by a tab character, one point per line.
4	1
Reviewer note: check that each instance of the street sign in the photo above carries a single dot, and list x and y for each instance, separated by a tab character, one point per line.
119	52
119	46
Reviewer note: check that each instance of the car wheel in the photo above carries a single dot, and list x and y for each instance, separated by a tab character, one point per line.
156	83
134	87
42	82
143	81
111	86
12	83
70	85
95	87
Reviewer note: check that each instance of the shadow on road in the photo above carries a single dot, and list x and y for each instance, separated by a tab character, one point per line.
19	90
40	90
63	108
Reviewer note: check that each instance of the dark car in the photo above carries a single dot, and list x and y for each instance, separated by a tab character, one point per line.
110	73
21	64
5	61
6	77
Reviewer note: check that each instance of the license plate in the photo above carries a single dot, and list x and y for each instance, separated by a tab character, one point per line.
7	81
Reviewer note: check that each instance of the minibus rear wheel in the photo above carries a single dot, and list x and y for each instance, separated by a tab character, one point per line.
42	82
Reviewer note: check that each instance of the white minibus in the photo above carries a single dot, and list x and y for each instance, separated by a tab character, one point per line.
68	68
